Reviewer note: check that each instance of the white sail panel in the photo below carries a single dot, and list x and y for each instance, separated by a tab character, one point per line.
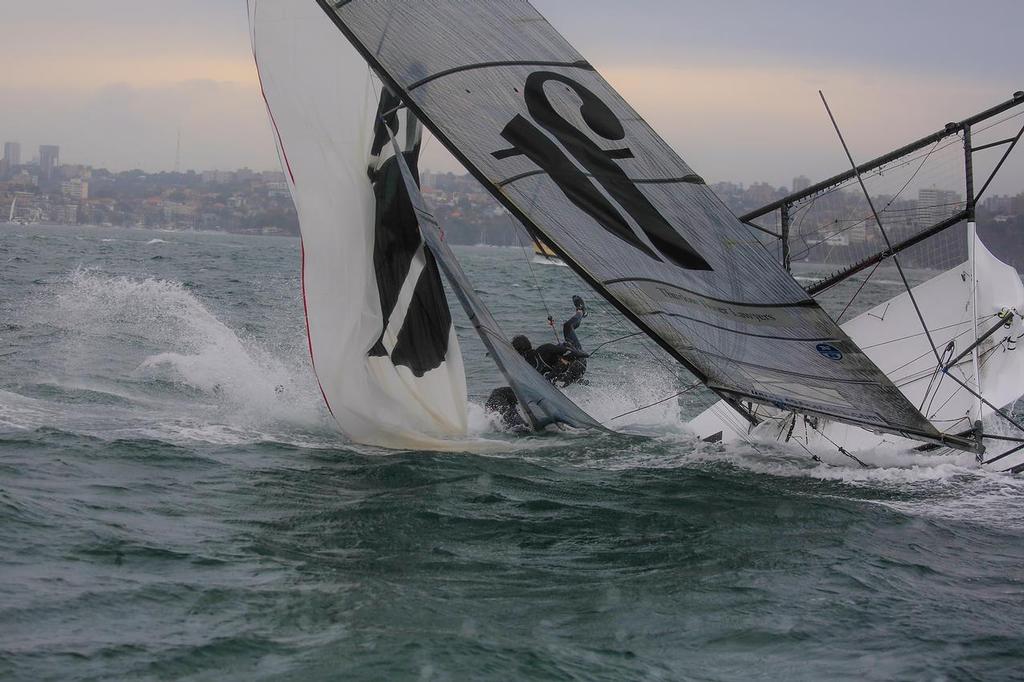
368	287
561	149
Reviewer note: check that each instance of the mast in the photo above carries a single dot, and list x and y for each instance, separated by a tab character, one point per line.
972	241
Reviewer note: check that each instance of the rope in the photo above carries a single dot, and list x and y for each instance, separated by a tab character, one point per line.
621	338
663	400
837	446
536	283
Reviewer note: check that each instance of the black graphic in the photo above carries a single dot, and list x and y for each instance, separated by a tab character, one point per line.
529	140
422	338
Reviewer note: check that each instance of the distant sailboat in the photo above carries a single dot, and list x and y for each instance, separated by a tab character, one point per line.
545	255
536	124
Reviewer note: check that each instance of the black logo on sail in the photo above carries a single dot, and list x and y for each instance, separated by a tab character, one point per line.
598	166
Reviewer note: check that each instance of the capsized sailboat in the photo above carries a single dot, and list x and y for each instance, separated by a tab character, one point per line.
539	127
949	343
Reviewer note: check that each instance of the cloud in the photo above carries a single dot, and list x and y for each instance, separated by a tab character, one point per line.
768	123
732	86
122	126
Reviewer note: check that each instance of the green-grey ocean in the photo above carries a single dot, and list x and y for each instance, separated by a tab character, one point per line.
176	503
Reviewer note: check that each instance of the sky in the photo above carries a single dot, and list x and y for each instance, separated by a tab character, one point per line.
731	85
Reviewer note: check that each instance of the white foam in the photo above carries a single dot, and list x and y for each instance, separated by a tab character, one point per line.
175	338
629	399
21	413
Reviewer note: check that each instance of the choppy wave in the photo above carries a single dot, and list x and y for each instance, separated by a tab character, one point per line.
176	503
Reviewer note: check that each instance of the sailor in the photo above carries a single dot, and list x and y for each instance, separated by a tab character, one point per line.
559	363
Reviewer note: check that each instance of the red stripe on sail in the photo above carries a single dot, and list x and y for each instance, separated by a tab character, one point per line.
309	338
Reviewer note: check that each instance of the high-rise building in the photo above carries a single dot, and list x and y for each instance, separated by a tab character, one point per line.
12	154
76	189
934	205
801	182
49	160
11	159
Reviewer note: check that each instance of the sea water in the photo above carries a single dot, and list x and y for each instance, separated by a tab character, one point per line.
175	502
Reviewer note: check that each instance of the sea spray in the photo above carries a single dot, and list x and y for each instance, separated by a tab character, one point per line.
163	341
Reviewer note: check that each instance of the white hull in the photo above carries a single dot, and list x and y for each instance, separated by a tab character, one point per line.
890	334
549	260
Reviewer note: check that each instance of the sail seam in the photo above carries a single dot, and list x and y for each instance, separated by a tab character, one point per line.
691	178
621	280
786	372
737	331
578	64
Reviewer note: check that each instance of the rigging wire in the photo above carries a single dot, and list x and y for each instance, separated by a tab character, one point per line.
903	276
606	343
988	354
663	400
950	140
857	293
837	446
536	282
886	208
911	336
881	228
529	263
940	145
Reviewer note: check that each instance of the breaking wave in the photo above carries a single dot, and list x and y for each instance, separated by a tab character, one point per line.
185	372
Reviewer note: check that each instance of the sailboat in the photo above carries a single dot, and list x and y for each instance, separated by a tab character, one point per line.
538	127
544	254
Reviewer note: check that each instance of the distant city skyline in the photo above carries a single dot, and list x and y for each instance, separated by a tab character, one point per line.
732	87
13	149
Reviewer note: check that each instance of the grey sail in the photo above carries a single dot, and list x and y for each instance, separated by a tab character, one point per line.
536	123
542	402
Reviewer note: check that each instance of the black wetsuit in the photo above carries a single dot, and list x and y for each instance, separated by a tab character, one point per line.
559	363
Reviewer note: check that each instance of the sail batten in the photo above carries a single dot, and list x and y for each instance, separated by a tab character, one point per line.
562	151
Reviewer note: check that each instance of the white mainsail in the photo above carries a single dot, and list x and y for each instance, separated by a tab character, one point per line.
321	102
